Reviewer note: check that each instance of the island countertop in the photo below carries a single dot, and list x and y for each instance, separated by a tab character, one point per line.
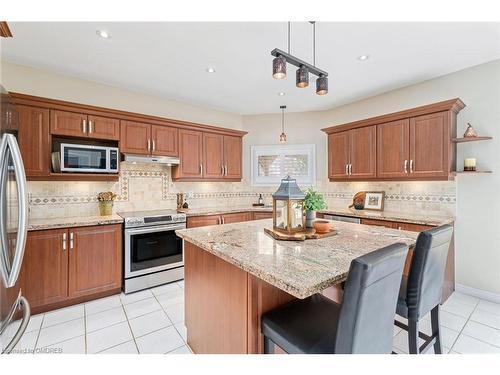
298	268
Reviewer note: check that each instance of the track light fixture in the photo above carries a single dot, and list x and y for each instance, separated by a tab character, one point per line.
304	68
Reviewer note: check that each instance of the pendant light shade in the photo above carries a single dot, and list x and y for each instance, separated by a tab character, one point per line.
322	85
302	77
279	67
282	135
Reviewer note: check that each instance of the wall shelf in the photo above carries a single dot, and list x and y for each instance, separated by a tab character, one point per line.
470	139
472	172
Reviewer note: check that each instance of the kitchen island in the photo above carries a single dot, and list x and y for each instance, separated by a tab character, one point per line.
234	273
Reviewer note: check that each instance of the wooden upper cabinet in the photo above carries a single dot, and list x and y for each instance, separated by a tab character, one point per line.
44	275
213	155
338	155
232	157
34	140
95	259
135	138
190	154
393	149
166	140
103	128
68	123
362	153
429	145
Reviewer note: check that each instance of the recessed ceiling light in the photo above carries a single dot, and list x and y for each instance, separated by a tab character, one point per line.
103	34
282	93
210	70
363	57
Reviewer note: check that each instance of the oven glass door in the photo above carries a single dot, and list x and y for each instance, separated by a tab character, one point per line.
152	249
78	158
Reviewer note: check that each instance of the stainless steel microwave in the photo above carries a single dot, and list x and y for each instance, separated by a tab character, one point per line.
85	158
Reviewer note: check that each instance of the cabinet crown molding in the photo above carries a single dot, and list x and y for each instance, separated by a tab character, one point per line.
453	105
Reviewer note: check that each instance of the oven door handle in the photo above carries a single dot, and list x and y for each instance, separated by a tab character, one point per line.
163	228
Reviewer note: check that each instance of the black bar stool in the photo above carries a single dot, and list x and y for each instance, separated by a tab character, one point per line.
421	291
362	324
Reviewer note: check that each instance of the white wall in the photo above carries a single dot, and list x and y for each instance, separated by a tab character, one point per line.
478	199
38	82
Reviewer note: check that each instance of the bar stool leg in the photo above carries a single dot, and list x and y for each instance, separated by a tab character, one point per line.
413	336
435	330
268	345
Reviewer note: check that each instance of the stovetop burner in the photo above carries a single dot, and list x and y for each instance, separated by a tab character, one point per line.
152	217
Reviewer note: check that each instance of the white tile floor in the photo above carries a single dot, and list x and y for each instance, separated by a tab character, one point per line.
152	321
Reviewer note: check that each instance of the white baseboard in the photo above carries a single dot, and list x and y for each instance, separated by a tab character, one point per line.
483	294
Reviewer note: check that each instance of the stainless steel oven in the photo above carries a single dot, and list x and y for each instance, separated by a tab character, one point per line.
85	158
154	254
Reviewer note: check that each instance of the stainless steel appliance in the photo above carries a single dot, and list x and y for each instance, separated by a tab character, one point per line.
13	228
140	159
154	254
343	218
85	158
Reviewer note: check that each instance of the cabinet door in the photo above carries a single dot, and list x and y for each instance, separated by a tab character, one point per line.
429	142
44	275
338	155
203	221
232	157
393	141
103	128
213	155
190	154
68	123
166	140
362	152
237	217
34	140
263	215
135	138
95	259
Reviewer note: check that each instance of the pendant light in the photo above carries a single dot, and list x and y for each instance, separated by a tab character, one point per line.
322	80
302	77
279	63
282	135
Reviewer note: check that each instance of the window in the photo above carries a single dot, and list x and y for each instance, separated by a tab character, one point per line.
272	163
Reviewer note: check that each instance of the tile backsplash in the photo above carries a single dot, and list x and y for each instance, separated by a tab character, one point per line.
145	187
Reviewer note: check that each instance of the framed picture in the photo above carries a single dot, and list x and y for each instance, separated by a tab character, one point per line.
374	200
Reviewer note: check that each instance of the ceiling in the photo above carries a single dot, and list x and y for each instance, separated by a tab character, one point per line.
170	59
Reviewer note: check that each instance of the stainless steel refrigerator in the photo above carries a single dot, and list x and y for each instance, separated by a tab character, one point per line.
14	308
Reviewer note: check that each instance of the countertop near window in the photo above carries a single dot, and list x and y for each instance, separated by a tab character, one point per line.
69	222
412	218
299	268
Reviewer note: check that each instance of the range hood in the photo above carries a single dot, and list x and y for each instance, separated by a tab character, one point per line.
166	160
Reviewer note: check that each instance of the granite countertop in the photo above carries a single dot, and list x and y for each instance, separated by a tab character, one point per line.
431	220
68	222
299	268
226	210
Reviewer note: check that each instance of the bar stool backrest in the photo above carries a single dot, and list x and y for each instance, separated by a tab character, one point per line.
427	269
366	321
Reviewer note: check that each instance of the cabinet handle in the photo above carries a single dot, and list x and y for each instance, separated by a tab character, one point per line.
201	169
90	127
153	145
64	241
149	144
84	126
350	169
411	166
71	242
225	169
223	221
218	221
406	166
347	169
222	168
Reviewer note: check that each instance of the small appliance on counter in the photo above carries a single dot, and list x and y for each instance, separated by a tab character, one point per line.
154	254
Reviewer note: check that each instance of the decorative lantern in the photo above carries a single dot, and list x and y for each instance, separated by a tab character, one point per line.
288	207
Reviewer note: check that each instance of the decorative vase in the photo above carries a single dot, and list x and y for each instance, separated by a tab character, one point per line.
106	208
470	131
310	217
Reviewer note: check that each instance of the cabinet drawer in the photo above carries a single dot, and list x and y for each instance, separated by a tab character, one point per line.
263	215
236	217
203	221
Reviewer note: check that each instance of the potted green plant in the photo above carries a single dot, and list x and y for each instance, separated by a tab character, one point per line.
313	202
106	199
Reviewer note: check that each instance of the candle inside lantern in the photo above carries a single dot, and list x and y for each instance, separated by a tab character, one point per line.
470	164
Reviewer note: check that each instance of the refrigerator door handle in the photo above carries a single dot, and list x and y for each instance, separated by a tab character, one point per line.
25	306
10	278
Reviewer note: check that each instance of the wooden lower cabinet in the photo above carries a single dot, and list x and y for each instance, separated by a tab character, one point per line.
262	215
59	272
95	259
44	275
203	221
233	217
236	217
